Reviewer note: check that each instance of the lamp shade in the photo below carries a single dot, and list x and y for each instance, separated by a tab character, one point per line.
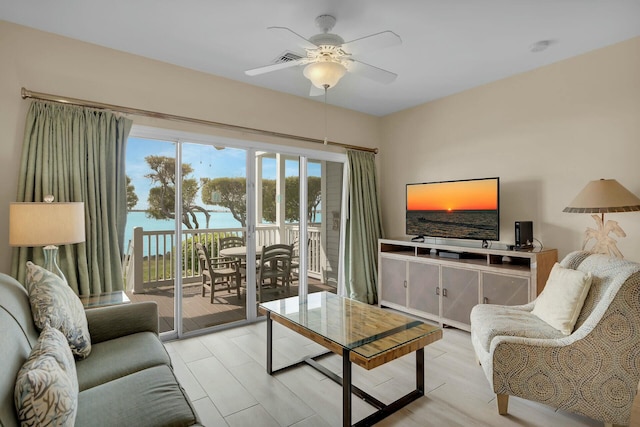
604	196
42	224
324	73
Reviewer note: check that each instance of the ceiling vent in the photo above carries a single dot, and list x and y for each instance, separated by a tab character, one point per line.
287	57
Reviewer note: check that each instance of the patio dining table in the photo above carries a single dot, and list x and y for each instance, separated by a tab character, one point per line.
239	252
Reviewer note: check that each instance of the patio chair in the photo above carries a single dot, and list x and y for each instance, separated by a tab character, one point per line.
274	274
235	242
218	271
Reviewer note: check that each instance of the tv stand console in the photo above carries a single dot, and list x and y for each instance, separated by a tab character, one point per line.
444	282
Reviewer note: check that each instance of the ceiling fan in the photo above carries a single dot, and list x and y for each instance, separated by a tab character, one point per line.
328	57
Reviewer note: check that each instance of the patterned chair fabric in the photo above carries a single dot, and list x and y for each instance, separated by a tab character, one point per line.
594	371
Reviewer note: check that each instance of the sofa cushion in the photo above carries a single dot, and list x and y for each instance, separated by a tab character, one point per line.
151	397
119	357
16	328
53	302
46	390
560	302
489	321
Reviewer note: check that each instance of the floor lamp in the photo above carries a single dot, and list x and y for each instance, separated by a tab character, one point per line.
600	197
47	224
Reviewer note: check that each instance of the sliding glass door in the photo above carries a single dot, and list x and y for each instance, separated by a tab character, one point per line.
305	213
278	216
325	223
181	194
213	214
192	196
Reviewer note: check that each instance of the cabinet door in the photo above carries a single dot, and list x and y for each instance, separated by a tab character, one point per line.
504	290
459	293
393	283
423	293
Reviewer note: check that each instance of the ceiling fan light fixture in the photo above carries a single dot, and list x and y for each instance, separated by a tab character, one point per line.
324	74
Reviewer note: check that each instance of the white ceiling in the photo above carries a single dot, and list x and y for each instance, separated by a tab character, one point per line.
448	45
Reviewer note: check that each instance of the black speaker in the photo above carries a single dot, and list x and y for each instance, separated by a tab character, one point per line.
524	235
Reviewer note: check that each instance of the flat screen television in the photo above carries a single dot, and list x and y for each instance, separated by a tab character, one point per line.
464	209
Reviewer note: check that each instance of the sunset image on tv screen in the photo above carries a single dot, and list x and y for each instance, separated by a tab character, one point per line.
453	196
455	209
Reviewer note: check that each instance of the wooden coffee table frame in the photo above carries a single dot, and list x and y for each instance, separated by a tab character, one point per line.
348	356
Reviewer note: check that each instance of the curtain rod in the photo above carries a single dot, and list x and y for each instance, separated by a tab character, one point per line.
25	93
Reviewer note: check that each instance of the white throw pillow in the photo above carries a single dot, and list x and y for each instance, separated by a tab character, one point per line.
46	389
54	302
562	298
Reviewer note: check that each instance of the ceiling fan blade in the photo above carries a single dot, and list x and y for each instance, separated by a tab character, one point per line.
315	91
275	67
293	37
369	71
372	42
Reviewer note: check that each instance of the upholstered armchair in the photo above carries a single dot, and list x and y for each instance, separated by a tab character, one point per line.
594	370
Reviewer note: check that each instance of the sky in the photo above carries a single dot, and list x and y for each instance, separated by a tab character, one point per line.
206	161
453	196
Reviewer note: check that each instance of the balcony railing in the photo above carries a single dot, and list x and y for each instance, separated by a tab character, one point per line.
150	259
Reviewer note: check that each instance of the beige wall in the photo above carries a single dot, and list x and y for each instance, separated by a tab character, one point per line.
47	63
545	133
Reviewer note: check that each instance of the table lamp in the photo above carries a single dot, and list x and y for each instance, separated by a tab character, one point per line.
600	197
46	224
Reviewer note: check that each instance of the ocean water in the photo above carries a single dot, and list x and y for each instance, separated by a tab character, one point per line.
481	225
139	219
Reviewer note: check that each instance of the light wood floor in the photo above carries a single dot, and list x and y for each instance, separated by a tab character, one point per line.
224	375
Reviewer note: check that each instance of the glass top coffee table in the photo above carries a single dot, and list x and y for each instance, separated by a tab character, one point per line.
363	334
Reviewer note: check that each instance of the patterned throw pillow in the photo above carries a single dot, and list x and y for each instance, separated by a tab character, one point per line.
46	390
53	302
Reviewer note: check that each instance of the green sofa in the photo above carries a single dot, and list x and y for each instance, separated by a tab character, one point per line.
126	380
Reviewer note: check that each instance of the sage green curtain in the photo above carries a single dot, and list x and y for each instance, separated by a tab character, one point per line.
364	228
77	154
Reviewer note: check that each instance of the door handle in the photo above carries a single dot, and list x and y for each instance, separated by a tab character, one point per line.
437	290
444	292
405	283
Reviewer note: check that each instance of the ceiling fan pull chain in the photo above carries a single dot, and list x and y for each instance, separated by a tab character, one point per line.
325	114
